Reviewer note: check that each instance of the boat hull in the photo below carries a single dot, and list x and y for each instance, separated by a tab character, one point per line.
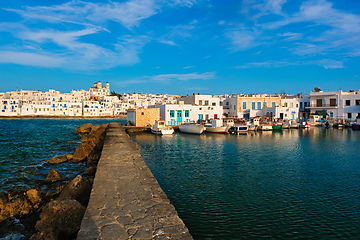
191	128
239	129
162	131
277	127
217	129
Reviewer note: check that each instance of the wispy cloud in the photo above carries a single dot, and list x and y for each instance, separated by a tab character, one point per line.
30	59
128	13
326	63
165	78
243	39
76	48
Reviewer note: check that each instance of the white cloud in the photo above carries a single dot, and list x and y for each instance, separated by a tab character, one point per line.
30	59
128	13
243	39
184	77
168	42
326	63
165	78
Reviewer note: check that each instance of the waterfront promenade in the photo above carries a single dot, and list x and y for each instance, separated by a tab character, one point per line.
126	201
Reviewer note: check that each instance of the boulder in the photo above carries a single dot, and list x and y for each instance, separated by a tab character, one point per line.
54	176
79	189
58	159
85	128
69	156
91	145
34	196
15	208
60	219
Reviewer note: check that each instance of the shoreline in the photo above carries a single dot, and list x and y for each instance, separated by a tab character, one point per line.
60	116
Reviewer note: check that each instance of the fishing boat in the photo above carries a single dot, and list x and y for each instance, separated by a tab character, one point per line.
278	126
304	124
217	126
356	125
193	128
238	129
286	125
160	128
252	128
264	127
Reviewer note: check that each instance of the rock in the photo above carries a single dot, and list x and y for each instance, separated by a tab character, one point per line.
91	145
60	220
34	196
69	156
90	171
53	176
79	189
85	128
58	159
15	208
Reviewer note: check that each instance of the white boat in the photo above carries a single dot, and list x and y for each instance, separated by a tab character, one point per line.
194	128
217	126
265	128
304	124
253	127
238	129
161	129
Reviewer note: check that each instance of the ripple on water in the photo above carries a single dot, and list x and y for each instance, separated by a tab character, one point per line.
291	185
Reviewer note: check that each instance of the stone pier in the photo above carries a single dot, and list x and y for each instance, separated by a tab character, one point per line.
126	201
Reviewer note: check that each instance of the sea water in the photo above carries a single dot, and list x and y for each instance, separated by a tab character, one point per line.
292	184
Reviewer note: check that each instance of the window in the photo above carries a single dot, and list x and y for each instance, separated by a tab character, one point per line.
253	105
179	113
349	115
357	102
172	113
187	113
347	102
214	104
285	104
258	105
273	104
291	105
265	104
201	117
206	102
244	105
200	102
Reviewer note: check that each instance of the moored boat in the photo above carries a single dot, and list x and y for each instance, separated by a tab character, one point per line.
238	129
277	127
304	124
160	128
217	126
193	128
265	127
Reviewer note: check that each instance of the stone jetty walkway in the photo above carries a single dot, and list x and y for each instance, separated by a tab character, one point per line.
126	201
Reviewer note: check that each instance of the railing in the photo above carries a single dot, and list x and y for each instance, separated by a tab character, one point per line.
323	105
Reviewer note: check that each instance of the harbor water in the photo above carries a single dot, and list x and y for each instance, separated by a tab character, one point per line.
292	184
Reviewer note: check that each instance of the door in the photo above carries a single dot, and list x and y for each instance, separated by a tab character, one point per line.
201	117
281	116
215	116
179	116
319	102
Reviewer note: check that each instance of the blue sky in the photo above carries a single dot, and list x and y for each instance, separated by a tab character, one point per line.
181	46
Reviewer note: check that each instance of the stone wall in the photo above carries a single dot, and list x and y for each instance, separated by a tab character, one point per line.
126	201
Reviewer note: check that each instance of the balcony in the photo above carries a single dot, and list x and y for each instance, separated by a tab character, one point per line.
323	106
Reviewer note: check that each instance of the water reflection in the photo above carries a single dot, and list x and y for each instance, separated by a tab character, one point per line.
295	183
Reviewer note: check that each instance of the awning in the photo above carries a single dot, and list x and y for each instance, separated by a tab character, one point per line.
321	113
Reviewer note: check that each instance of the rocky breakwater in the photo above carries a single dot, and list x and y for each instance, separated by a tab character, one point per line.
58	206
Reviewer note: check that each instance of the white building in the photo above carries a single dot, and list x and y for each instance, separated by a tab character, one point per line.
337	104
